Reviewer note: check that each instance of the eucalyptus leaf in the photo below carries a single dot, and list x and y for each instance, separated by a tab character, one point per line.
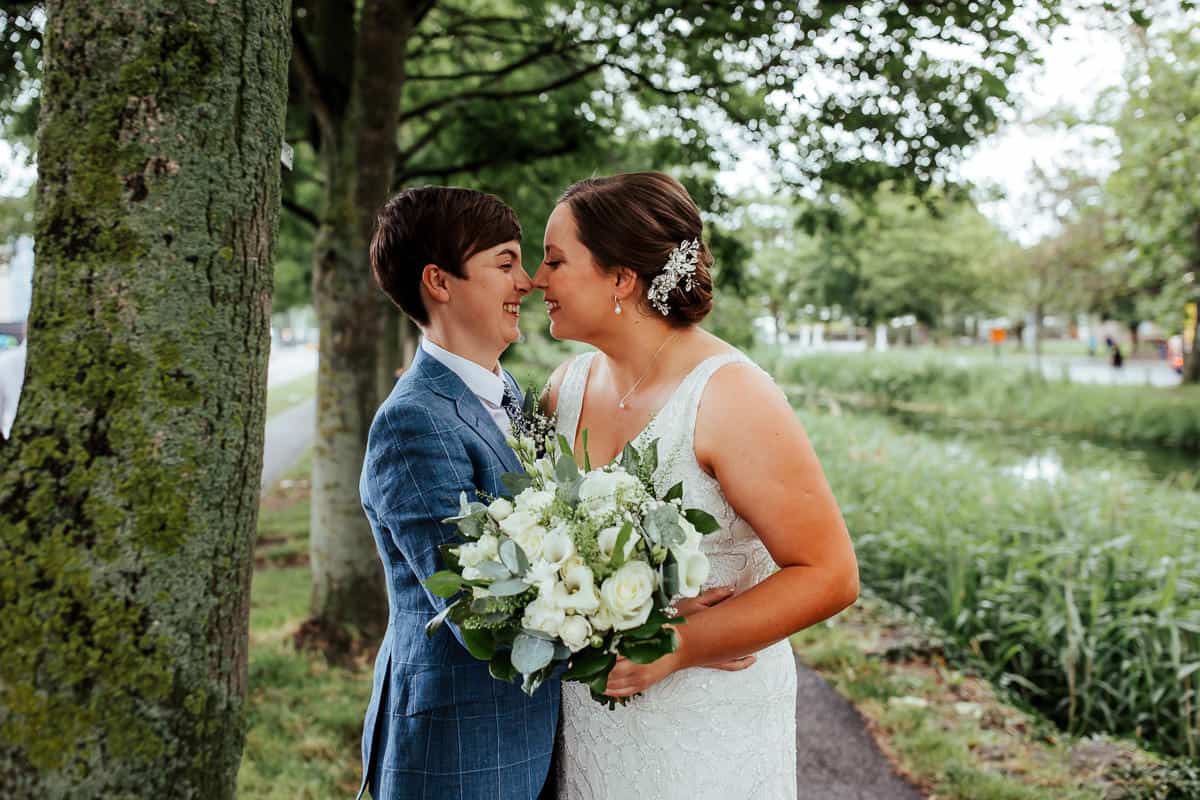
514	557
662	526
444	583
566	471
435	623
531	653
516	482
508	587
561	652
532	682
493	569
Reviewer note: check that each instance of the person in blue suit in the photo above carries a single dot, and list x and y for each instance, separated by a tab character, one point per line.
438	725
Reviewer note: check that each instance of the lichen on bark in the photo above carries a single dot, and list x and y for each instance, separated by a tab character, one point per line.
128	489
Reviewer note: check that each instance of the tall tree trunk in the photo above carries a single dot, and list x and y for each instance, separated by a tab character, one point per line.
359	162
1191	359
129	488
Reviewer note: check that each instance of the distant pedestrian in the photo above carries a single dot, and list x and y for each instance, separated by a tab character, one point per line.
1115	357
12	376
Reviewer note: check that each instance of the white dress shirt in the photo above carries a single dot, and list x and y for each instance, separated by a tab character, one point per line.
487	386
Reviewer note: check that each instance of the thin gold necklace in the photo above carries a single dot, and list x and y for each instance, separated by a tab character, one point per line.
638	382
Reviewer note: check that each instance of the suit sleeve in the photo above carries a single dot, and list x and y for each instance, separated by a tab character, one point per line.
416	471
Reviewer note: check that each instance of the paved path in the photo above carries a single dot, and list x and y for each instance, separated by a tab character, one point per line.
836	757
289	433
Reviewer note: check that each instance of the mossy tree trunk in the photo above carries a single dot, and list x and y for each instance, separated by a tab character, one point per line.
129	488
357	106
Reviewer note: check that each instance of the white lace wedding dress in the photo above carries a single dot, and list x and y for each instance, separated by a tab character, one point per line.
700	733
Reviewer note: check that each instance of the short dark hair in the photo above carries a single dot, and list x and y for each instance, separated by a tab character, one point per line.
439	225
635	220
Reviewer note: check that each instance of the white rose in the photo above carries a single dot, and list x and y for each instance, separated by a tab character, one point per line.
600	491
606	540
628	594
500	508
558	546
524	529
472	553
575	632
534	501
580	584
693	572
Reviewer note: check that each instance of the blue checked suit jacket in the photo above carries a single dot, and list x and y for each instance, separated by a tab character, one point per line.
438	725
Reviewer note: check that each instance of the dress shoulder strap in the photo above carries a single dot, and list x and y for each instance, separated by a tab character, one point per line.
698	381
570	395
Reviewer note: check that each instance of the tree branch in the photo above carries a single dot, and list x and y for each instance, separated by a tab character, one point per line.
304	65
302	213
463	97
474	166
549	48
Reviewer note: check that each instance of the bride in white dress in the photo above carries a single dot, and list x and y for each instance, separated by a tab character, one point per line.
626	271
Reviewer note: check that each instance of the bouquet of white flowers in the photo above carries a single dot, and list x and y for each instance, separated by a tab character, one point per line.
577	567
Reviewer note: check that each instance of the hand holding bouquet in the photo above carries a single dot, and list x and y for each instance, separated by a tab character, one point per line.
578	567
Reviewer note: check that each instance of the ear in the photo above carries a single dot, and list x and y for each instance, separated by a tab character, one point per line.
625	284
434	282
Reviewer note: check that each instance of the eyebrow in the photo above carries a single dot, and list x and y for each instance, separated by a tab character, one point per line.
508	251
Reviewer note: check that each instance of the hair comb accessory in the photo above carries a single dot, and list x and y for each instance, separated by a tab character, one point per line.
680	266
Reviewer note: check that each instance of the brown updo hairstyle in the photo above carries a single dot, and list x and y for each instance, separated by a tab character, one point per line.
635	220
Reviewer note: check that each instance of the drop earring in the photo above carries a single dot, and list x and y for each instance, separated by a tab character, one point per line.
617	310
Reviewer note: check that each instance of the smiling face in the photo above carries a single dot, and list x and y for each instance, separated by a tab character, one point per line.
579	294
485	306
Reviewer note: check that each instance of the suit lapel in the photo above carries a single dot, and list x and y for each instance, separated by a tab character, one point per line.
470	410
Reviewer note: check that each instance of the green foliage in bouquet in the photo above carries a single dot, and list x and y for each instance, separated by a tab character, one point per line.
574	569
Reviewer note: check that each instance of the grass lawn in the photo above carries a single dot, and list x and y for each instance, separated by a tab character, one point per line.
283	396
305	716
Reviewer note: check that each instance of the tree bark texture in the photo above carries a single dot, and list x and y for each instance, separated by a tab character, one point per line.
129	488
358	163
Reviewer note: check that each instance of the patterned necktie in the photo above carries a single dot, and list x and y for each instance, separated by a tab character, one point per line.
512	407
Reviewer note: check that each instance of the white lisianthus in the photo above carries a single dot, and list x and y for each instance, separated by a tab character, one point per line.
580	584
546	613
500	508
558	546
541	572
472	553
693	572
628	594
606	540
470	573
600	491
575	632
534	501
